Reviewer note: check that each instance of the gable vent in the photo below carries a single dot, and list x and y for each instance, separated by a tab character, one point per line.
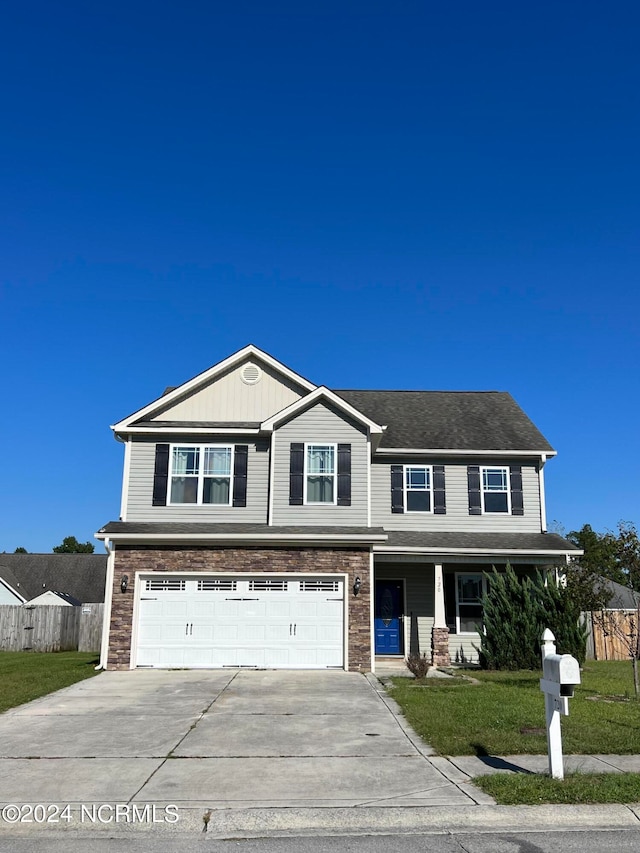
251	374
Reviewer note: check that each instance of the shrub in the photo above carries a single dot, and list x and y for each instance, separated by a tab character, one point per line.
419	666
516	610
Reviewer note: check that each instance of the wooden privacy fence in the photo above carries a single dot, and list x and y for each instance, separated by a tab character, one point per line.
612	634
50	627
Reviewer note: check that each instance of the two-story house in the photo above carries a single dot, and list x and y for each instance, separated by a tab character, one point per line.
270	522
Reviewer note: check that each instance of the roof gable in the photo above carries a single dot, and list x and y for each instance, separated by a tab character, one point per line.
311	399
222	394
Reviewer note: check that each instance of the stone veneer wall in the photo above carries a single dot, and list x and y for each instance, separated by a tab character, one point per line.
129	560
441	655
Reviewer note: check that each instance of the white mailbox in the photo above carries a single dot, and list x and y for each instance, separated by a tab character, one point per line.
561	674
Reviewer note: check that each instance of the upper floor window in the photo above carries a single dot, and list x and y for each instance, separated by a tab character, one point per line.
320	474
417	491
201	474
495	490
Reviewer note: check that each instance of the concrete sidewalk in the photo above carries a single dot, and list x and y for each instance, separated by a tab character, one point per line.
266	752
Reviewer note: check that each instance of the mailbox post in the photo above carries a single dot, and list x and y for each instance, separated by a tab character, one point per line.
560	674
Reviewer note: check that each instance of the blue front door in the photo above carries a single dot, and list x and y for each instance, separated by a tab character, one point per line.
388	618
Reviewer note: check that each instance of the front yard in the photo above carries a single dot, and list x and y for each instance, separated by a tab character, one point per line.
28	675
503	714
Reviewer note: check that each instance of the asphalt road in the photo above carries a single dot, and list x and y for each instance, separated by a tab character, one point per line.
579	841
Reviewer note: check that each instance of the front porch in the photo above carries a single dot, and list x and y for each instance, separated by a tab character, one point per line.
426	607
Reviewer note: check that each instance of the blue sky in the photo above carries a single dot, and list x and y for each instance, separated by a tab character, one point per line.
410	195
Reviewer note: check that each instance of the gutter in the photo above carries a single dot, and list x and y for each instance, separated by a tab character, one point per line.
244	538
443	451
525	552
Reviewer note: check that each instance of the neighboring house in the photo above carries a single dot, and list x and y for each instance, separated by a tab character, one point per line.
270	522
620	597
62	599
52	578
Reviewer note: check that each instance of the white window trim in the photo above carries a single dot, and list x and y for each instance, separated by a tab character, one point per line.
484	589
334	445
429	490
507	470
201	448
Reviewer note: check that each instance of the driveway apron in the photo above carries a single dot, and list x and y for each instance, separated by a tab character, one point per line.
220	739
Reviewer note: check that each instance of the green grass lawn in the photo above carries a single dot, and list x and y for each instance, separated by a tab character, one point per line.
576	788
497	716
28	675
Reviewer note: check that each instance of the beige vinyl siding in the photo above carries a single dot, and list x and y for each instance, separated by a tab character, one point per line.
457	517
463	648
419	588
143	452
228	399
321	423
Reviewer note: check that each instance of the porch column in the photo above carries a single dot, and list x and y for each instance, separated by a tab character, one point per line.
440	637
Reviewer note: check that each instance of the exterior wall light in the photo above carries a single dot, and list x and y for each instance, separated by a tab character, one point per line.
356	585
124	583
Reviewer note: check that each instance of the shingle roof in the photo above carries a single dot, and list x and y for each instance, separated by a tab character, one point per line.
79	575
534	542
621	597
515	542
449	420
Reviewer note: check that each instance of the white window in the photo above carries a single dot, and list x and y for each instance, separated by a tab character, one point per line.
201	474
320	474
496	496
418	488
469	591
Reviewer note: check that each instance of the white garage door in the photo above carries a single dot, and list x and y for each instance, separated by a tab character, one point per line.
240	621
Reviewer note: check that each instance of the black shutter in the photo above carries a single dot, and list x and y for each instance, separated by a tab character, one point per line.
296	474
344	475
161	475
439	498
517	502
473	482
240	459
397	488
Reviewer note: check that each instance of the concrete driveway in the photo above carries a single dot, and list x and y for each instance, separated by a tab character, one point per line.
221	740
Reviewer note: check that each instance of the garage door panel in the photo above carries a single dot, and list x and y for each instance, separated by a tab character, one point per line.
278	609
252	610
225	609
230	622
225	633
277	633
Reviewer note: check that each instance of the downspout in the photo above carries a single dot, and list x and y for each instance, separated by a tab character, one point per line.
108	596
543	499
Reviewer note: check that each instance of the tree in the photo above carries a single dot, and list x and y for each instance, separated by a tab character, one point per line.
617	558
612	556
70	545
21	551
628	553
585	586
516	610
600	552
